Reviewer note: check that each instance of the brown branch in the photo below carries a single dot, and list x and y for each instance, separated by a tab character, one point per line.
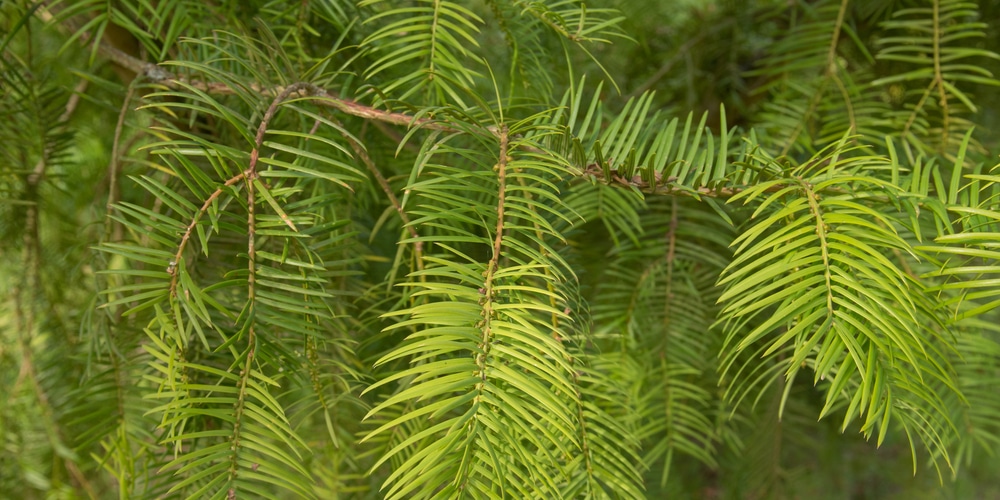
240	408
829	74
24	324
24	315
666	187
939	76
833	67
831	55
488	292
668	302
362	154
32	255
502	195
395	136
190	228
112	231
821	230
38	173
158	75
672	236
249	175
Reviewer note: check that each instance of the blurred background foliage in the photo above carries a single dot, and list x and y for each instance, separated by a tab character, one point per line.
93	157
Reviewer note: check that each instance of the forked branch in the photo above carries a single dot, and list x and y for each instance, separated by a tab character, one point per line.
158	75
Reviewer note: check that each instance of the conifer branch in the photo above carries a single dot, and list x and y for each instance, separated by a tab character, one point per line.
362	154
156	74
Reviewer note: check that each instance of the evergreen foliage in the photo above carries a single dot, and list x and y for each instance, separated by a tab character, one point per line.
499	249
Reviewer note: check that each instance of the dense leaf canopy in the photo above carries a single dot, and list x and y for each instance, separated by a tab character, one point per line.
499	249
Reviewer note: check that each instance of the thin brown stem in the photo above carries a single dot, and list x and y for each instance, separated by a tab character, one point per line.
669	259
321	97
362	154
829	73
251	237
240	407
24	314
190	228
939	76
672	234
38	173
916	111
32	255
831	55
156	74
488	292
821	231
501	190
494	263
112	230
664	187
248	175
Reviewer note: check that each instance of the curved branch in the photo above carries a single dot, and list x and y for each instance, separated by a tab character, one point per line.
322	97
190	228
112	229
362	153
938	75
488	292
821	229
249	176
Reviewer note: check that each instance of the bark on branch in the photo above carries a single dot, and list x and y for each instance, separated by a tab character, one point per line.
157	74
